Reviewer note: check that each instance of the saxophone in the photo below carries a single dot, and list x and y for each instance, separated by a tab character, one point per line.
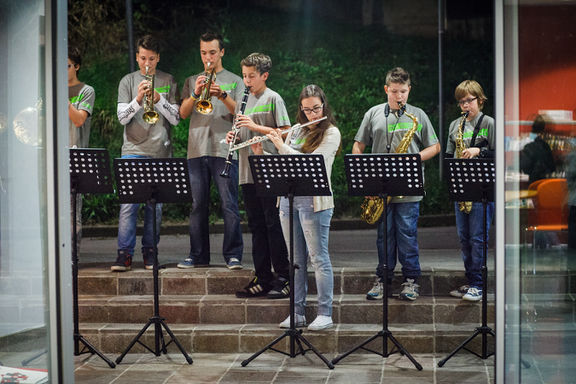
373	207
464	206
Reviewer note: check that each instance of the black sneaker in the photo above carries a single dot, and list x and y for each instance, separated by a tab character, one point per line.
148	254
253	289
123	262
280	289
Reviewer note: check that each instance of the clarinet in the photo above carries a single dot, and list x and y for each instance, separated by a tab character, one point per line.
226	171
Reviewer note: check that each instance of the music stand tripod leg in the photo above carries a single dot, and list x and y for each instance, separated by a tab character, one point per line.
78	338
483	330
385	333
156	319
294	334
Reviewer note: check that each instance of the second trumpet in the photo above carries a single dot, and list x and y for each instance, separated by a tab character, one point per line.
150	115
204	105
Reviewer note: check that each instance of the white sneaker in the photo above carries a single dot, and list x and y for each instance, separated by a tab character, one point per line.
300	322
321	322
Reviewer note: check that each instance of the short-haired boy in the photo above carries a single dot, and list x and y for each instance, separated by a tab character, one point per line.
265	111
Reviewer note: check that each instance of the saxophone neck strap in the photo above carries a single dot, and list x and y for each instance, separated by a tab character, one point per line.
476	130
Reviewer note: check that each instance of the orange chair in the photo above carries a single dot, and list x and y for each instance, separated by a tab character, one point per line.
550	211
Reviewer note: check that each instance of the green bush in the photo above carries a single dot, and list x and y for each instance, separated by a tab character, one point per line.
348	61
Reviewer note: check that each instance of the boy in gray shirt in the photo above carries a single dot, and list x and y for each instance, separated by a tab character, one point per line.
265	111
143	140
207	153
383	128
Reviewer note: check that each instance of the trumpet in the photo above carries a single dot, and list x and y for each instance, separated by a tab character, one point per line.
259	139
150	115
204	106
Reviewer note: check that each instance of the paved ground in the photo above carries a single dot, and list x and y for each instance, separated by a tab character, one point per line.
439	248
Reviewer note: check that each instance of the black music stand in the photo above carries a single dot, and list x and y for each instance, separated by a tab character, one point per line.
153	181
384	175
89	173
473	180
290	175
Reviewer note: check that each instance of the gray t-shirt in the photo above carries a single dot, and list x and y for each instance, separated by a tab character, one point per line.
267	109
207	133
485	137
385	134
82	97
141	138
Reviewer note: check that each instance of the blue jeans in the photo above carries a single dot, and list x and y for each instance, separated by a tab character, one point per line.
471	233
311	232
129	218
402	239
201	171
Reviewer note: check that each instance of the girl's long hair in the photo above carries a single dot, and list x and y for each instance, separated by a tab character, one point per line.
315	136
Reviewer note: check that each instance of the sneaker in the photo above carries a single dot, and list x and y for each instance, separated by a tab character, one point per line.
253	289
148	254
280	289
321	322
473	294
234	264
300	322
123	262
377	291
190	263
459	292
410	290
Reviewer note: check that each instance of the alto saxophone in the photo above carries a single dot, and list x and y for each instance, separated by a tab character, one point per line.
464	206
373	207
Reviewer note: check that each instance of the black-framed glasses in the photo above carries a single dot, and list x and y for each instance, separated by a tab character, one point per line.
466	101
314	109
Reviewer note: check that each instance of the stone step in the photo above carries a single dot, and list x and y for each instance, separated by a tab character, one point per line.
244	338
207	281
227	309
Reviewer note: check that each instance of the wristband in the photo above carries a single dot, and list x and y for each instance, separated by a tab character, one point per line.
195	96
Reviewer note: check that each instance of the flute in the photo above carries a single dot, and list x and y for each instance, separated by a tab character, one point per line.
259	139
226	171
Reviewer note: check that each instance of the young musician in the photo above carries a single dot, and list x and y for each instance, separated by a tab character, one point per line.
478	140
383	128
312	215
81	98
207	155
144	140
265	111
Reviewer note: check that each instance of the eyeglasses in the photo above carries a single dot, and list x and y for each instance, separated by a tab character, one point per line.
315	109
466	101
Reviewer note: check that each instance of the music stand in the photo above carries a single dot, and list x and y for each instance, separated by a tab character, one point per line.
89	173
290	175
384	175
473	180
153	181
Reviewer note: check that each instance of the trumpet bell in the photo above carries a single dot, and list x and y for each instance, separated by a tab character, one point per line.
151	117
204	107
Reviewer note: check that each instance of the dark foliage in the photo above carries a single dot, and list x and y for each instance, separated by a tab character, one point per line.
349	61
